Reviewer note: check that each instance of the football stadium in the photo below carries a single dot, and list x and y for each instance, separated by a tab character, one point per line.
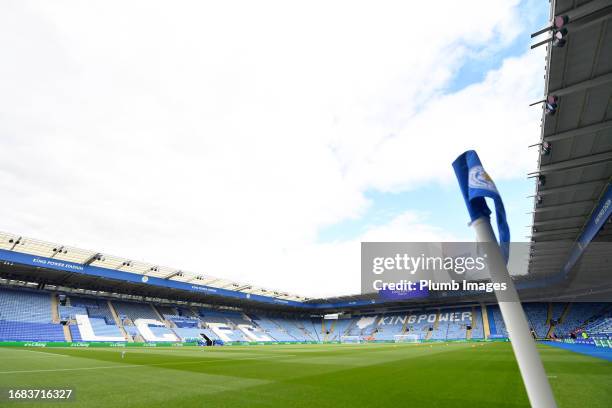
87	328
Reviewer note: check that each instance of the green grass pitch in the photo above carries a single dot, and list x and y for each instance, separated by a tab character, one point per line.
340	375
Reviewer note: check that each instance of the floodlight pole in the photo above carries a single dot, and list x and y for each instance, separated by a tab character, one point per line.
529	362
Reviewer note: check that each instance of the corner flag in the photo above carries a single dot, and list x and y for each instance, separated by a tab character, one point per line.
475	185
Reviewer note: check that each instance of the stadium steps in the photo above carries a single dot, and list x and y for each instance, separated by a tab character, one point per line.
118	322
166	323
55	318
248	318
549	313
314	329
332	329
352	324
195	313
323	330
405	325
307	335
564	314
468	332
485	321
67	333
435	326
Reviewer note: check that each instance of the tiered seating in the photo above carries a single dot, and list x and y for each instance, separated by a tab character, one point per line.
290	326
440	332
459	320
225	320
477	324
70	312
210	334
418	328
25	331
456	331
135	310
75	333
317	328
160	331
182	321
272	329
222	316
25	306
536	315
557	311
496	322
600	328
388	331
100	328
26	315
189	333
353	329
305	327
131	330
166	310
340	328
577	316
95	308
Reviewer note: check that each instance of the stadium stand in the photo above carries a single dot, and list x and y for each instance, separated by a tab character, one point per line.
22	305
26	314
496	322
578	314
273	329
27	331
95	308
477	324
135	311
537	316
102	329
75	333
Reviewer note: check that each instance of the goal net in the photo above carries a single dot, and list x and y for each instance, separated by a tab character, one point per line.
350	339
406	338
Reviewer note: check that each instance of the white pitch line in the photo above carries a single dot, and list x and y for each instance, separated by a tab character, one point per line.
134	365
37	352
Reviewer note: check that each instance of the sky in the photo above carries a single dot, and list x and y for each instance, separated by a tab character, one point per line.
262	141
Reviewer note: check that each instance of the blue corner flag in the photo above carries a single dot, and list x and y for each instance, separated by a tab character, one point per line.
475	185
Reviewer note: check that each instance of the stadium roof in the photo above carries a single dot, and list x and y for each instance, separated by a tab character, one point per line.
575	165
37	247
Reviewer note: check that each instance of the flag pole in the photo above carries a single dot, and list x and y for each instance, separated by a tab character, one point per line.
529	362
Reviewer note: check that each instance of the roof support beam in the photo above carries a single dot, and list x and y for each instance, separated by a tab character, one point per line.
572	187
173	274
581	86
95	257
575	163
585	203
599	216
558	221
581	131
560	231
15	242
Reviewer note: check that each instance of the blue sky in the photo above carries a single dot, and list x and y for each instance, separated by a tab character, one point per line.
441	205
262	146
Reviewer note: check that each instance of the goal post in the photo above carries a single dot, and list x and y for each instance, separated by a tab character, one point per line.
350	339
406	338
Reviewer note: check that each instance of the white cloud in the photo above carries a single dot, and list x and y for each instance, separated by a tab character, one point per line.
221	137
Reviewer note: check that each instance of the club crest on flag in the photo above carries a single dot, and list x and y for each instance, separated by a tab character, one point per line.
479	178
